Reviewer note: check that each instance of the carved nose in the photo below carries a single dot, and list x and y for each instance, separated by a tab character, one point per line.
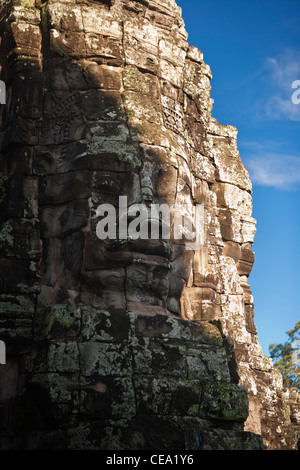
147	195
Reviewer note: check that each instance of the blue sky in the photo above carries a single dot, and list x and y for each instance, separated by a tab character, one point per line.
253	49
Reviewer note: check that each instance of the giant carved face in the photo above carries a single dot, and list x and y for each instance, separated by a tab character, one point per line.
122	272
145	272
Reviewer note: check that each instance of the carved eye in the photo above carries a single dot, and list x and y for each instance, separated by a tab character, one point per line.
108	185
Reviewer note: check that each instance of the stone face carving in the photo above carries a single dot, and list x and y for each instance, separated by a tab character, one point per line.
107	99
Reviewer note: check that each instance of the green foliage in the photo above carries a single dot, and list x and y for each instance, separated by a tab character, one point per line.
287	357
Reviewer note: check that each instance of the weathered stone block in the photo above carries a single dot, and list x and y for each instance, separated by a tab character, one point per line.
19	276
16	321
224	401
230	225
57	322
102	326
54	159
234	198
147	280
164	396
231	170
203	168
62	104
65	187
21	196
65	17
157	326
135	103
20	238
71	78
158	358
104	359
27	38
63	220
106	105
61	131
246	261
233	250
196	78
100	21
230	440
53	398
58	357
103	49
201	303
104	289
102	76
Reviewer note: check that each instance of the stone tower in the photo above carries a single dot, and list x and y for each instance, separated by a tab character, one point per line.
124	343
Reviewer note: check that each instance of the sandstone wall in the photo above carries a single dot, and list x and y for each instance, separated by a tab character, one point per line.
132	344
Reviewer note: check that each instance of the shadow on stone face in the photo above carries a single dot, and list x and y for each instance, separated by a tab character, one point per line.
91	155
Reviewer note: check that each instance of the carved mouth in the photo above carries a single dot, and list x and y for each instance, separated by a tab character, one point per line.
125	250
147	239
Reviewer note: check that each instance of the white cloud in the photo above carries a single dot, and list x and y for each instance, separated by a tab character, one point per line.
277	170
269	166
282	71
278	108
274	163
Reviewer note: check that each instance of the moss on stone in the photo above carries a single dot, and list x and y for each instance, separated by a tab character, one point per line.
57	321
28	3
44	17
224	401
100	325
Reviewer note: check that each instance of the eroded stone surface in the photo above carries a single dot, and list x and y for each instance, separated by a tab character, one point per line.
139	344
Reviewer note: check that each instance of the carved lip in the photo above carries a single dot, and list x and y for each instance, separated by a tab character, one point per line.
128	250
